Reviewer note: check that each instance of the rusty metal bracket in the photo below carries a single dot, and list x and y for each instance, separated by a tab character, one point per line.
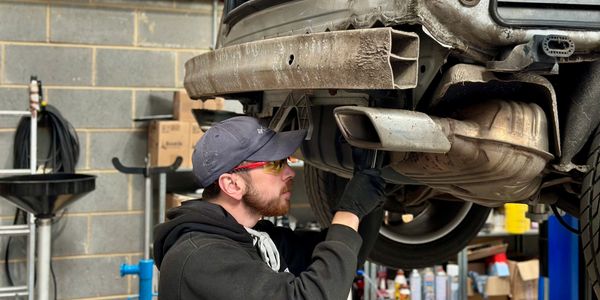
379	58
540	55
301	104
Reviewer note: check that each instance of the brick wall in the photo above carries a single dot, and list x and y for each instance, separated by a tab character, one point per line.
102	62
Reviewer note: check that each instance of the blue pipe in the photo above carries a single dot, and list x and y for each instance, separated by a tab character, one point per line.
144	270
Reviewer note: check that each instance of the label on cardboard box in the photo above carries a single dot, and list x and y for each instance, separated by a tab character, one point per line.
167	140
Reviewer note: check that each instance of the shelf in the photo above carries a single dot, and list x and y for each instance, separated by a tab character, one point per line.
183	178
295	165
499	233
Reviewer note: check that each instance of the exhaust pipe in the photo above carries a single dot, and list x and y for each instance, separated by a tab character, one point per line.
391	129
494	152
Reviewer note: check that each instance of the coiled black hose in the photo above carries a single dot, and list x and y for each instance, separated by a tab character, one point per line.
61	157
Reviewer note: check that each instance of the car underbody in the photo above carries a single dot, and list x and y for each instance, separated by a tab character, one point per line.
470	104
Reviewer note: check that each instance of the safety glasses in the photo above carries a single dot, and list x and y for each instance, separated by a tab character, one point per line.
271	167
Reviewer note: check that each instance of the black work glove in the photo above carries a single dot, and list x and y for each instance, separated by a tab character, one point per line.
363	193
362	159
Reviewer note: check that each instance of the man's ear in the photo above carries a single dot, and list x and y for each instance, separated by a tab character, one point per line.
232	185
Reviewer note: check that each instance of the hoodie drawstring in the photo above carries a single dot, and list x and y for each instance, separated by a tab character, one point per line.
268	250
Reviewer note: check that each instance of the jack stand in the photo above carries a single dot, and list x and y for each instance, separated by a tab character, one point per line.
144	270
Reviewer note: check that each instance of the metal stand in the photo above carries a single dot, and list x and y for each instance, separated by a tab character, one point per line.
370	275
463	262
145	268
44	227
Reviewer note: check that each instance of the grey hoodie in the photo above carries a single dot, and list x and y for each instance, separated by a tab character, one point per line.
203	253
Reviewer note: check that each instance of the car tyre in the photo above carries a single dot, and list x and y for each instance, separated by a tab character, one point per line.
324	189
590	229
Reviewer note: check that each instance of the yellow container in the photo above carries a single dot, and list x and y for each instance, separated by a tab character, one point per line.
516	222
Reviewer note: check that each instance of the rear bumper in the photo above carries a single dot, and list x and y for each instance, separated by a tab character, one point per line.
380	58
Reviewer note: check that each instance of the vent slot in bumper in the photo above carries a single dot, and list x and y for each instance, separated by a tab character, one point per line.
581	14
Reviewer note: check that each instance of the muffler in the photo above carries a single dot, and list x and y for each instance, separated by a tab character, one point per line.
490	153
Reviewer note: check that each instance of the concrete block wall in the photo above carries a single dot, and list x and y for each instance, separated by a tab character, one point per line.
102	62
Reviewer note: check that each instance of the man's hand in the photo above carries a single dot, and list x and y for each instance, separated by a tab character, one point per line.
363	159
363	193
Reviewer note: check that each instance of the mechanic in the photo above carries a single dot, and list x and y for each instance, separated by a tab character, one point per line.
216	247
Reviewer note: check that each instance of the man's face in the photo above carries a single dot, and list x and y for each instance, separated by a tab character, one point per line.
267	193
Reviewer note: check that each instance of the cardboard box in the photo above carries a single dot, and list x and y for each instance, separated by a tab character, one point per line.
183	105
195	134
524	279
175	200
470	291
477	267
496	288
214	104
483	250
209	105
167	140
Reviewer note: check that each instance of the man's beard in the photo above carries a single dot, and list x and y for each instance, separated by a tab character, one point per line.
268	207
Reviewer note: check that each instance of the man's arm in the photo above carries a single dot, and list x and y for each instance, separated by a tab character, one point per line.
222	270
361	198
346	218
296	247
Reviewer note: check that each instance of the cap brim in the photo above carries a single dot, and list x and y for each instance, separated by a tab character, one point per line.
280	146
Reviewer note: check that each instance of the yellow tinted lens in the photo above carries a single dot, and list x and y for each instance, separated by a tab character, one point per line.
275	167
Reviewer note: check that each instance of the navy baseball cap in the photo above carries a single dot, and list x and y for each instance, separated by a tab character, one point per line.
233	141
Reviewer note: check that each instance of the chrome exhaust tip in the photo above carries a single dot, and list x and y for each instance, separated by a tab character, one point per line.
391	129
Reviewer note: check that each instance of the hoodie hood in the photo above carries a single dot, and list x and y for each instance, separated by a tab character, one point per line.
196	216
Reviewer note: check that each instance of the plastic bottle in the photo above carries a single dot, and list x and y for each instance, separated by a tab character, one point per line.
382	292
404	293
453	281
441	284
428	284
359	287
399	283
415	285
